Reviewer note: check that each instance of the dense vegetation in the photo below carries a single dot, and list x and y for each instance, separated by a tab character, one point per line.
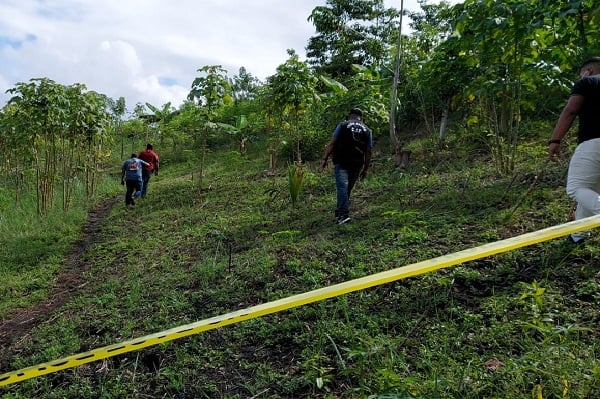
240	215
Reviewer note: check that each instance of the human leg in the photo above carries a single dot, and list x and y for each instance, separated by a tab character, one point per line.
352	179
130	184
138	188
146	179
341	184
583	182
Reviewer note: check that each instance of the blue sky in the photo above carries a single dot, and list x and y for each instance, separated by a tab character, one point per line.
148	50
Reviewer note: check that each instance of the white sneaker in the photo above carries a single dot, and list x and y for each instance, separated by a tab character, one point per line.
343	219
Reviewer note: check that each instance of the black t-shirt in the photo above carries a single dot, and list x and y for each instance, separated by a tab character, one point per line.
589	114
353	140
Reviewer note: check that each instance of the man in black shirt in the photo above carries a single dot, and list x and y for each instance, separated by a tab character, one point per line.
583	179
351	149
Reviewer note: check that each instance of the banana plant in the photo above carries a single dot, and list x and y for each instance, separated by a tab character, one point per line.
242	130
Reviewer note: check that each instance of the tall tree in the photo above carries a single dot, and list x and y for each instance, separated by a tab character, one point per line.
118	109
63	130
350	32
15	152
293	89
244	86
434	73
84	139
394	96
210	91
512	48
40	115
571	30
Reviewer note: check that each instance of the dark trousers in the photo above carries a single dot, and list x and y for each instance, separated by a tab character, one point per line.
146	180
132	187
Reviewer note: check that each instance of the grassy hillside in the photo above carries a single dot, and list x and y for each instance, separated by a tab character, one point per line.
521	324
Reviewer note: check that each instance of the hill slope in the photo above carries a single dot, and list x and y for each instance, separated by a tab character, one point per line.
512	325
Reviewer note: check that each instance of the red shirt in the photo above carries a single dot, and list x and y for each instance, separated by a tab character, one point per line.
151	157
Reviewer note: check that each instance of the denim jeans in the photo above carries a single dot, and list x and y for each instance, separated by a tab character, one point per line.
583	181
344	183
146	179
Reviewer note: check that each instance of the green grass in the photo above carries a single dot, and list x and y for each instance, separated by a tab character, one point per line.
32	249
509	326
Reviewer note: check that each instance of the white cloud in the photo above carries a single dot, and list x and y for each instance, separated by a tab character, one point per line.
148	50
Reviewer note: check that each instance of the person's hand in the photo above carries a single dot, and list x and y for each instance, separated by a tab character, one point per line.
324	164
554	151
122	182
156	173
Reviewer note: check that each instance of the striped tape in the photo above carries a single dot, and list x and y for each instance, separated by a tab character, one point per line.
302	299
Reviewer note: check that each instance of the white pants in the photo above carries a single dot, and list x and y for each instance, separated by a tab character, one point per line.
583	181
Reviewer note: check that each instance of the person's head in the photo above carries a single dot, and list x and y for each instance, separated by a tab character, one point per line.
355	113
590	67
133	155
148	146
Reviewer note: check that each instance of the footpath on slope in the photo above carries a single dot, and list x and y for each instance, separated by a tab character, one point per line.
69	279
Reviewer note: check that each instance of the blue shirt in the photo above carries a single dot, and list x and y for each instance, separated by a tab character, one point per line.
133	168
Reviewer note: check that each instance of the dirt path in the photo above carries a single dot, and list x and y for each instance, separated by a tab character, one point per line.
69	280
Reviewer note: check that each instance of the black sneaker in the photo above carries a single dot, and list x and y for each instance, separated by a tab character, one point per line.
343	219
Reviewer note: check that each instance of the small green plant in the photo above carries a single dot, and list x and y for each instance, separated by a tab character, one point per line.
318	372
401	216
533	300
295	180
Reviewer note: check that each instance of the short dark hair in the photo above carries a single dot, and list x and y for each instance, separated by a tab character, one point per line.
133	155
355	111
148	146
589	61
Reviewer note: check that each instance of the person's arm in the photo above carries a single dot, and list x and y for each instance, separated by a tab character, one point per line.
565	121
328	151
123	174
330	146
156	164
363	174
367	158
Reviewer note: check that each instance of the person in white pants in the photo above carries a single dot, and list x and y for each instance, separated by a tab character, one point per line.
583	178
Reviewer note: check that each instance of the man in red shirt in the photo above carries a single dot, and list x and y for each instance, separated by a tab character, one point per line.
149	156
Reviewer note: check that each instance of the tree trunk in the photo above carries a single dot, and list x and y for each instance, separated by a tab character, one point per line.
403	159
394	95
202	159
444	122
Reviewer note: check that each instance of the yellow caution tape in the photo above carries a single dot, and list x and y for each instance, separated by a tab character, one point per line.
302	299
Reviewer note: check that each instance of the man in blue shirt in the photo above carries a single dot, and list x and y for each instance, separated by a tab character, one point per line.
350	148
131	175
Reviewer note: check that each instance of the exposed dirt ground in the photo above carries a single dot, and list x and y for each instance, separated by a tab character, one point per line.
70	279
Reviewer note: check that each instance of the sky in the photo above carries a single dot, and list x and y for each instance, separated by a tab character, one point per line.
149	51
